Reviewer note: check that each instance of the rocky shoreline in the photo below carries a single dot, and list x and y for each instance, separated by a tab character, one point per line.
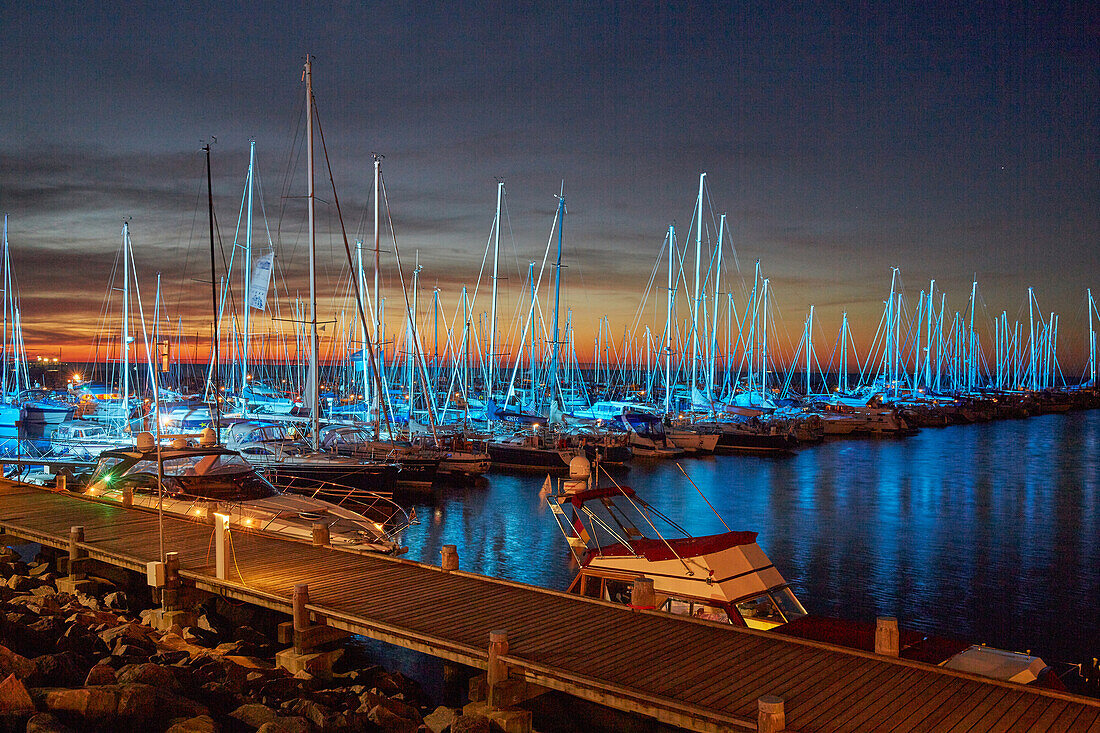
80	662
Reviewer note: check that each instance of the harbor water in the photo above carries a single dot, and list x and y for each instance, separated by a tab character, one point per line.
987	532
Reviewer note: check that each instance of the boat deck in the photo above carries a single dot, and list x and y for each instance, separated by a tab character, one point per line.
696	674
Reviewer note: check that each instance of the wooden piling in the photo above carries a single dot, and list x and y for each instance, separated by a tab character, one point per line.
498	646
299	601
449	559
770	715
642	595
320	534
887	638
76	536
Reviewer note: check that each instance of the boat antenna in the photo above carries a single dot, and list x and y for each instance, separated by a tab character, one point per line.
704	498
213	298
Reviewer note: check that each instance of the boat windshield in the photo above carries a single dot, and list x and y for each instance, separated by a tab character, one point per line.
210	464
771	609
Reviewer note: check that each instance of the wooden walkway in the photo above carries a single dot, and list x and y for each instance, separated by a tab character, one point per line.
696	674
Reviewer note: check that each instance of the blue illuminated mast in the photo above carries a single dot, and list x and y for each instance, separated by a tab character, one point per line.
1092	338
552	383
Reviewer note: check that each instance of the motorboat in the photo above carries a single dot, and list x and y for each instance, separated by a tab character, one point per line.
201	480
727	578
533	452
419	465
724	577
84	440
291	464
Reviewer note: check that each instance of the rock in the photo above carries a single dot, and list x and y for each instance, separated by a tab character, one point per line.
400	709
38	569
88	601
138	702
101	674
319	715
46	723
250	635
253	714
116	601
149	674
8	554
440	719
169	657
288	724
61	670
198	724
470	724
14	698
12	663
130	633
276	691
90	703
79	640
21	583
389	721
44	591
131	652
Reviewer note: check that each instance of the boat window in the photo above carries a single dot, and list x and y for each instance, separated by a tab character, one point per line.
760	612
788	604
257	450
710	613
680	608
591	587
617	591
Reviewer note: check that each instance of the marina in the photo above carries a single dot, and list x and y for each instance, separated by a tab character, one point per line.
595	368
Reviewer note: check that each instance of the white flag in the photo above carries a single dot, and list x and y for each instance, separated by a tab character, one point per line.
261	279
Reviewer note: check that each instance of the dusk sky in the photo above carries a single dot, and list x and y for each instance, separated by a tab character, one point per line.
954	141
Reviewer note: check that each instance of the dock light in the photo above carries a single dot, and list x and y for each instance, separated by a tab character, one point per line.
535	428
248	521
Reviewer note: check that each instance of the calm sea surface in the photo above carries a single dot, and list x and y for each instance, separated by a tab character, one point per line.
986	532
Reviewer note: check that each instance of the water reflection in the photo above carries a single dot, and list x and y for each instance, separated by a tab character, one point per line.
987	532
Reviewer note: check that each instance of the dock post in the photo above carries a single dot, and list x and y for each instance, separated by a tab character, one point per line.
221	551
169	595
498	646
128	497
449	559
770	715
642	595
77	579
301	615
76	536
887	638
320	534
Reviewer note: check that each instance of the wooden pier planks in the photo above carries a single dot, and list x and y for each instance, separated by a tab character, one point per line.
693	673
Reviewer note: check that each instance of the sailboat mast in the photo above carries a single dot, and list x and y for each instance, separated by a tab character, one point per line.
714	324
8	295
247	268
375	303
697	295
213	298
552	383
126	325
668	321
1092	334
314	371
493	313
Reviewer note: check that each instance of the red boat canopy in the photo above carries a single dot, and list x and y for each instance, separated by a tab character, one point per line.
655	550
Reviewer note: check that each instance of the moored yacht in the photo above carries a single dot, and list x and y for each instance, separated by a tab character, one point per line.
199	481
727	578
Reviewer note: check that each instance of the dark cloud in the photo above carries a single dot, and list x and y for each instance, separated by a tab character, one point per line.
950	141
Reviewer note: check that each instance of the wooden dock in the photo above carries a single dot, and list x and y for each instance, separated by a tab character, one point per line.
695	674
